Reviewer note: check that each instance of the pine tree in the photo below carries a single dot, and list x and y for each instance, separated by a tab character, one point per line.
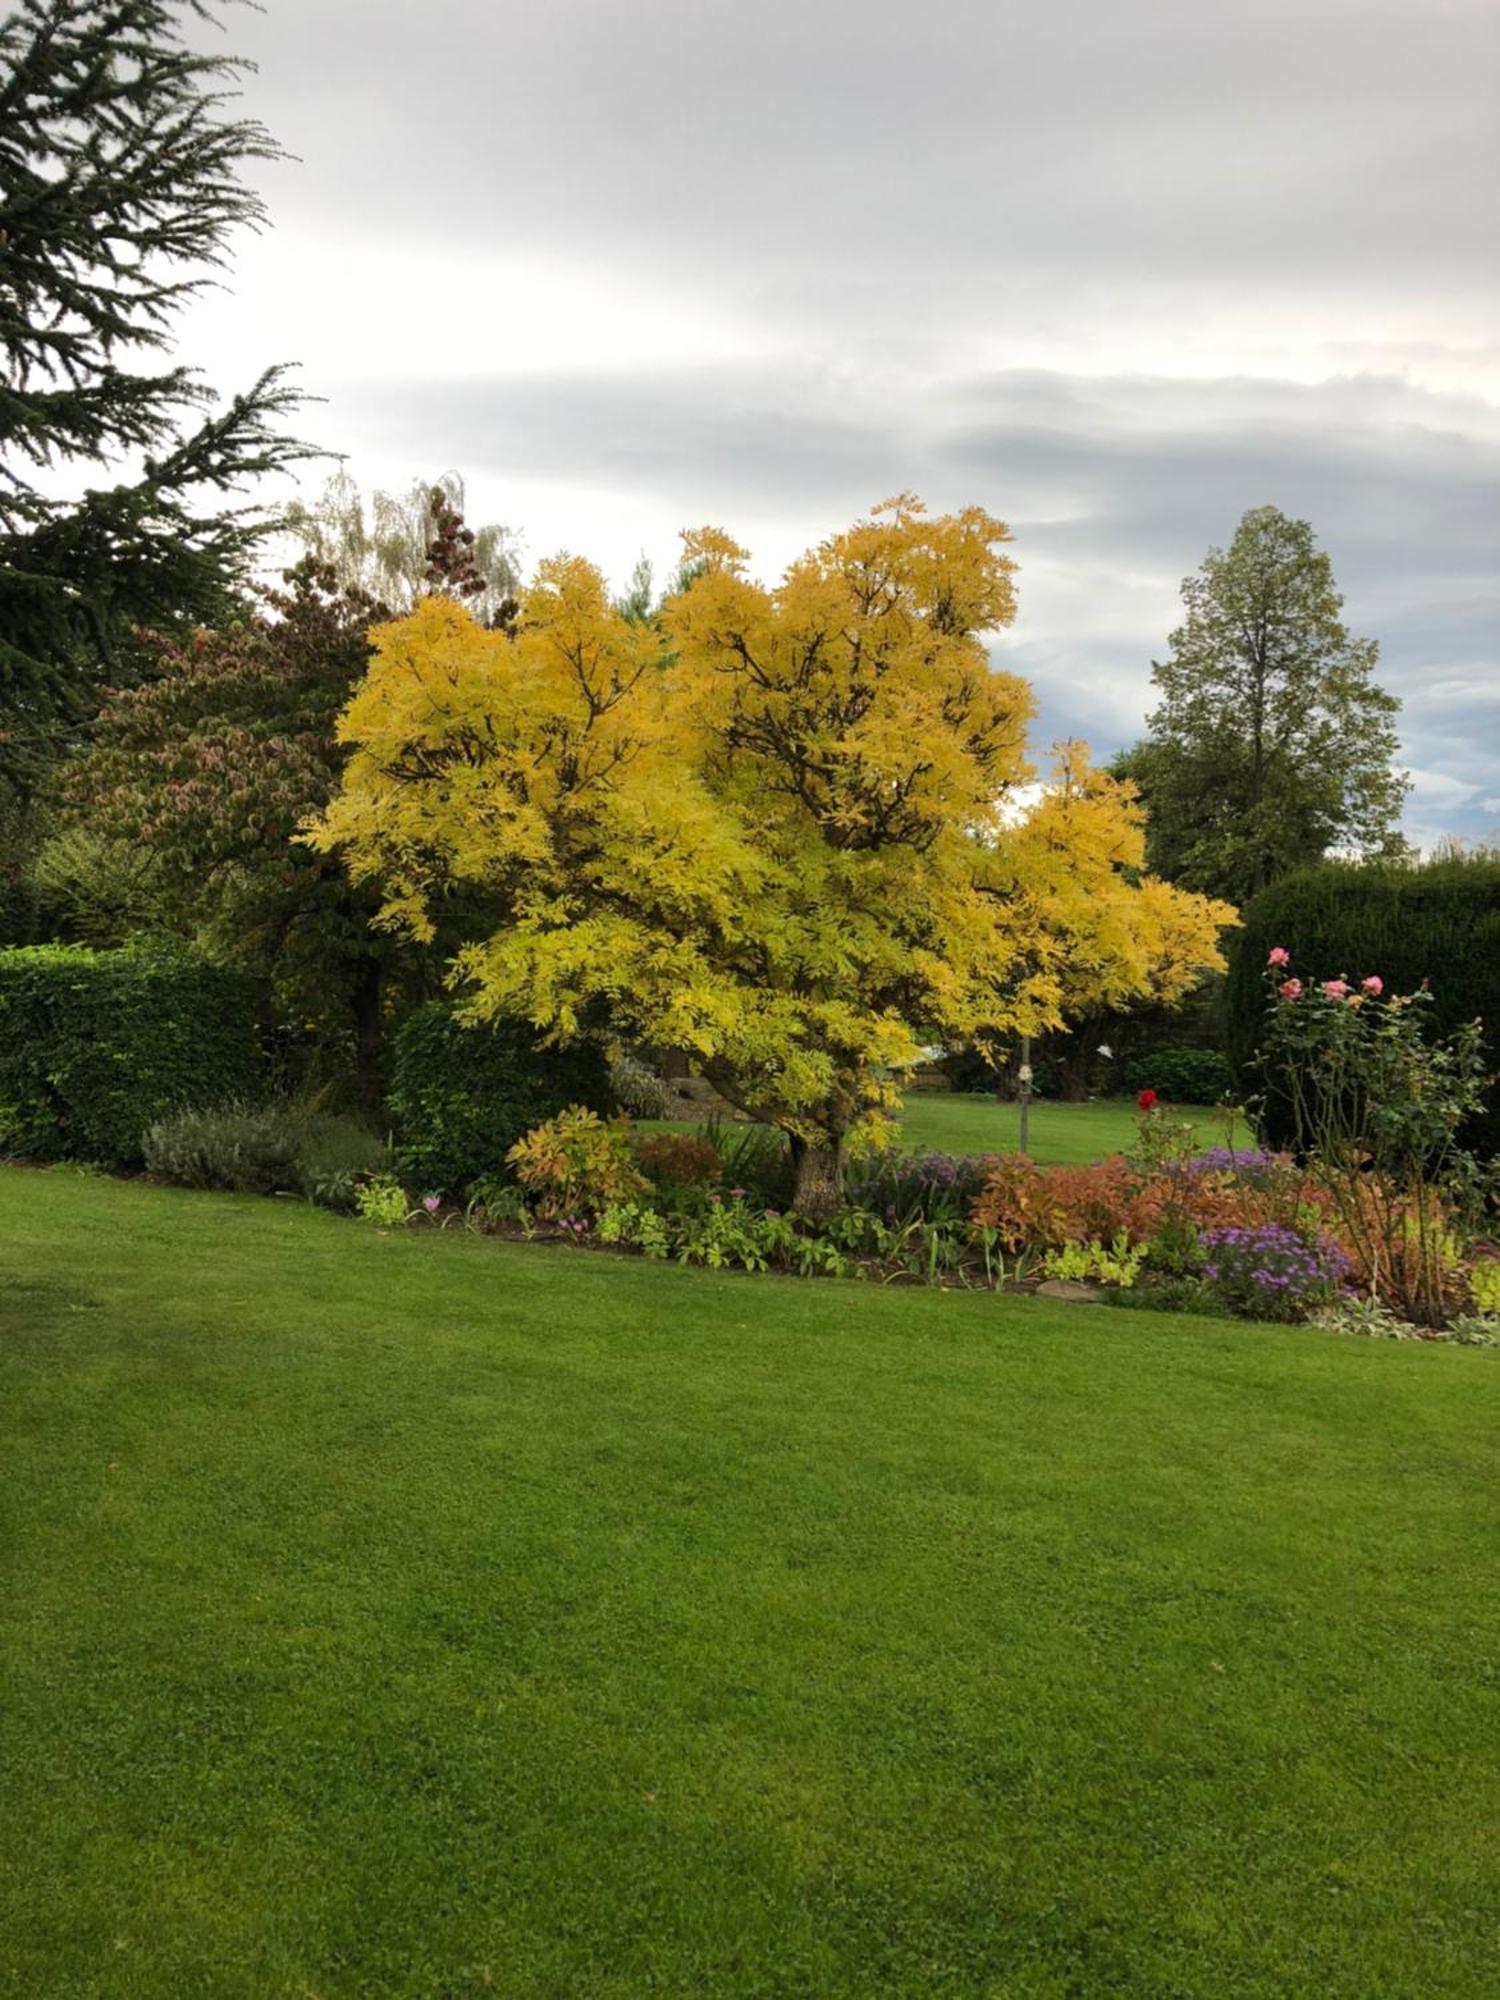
120	185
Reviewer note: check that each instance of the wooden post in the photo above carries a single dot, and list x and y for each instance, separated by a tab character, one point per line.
1023	1092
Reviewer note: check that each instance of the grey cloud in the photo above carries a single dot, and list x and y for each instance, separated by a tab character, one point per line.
876	198
712	438
769	147
1114	488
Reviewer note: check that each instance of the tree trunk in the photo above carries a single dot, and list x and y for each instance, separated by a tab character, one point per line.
820	1179
369	984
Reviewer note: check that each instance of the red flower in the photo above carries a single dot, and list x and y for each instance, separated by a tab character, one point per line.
1148	1100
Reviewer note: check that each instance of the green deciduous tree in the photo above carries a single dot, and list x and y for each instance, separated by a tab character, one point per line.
1273	742
120	186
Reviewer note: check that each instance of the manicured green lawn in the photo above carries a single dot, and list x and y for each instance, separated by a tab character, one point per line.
940	1121
1059	1134
420	1615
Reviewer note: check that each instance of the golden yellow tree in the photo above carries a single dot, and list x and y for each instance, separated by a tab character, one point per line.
781	829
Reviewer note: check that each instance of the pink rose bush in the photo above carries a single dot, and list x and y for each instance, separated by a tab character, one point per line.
1373	1103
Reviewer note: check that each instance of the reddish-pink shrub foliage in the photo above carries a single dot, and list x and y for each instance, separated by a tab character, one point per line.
678	1159
1044	1207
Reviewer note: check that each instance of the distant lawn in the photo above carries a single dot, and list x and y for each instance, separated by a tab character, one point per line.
938	1121
1059	1135
420	1615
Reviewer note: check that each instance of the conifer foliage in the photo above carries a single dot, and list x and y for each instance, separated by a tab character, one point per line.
121	166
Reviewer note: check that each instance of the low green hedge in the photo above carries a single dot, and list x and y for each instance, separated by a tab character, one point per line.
462	1096
96	1046
1181	1076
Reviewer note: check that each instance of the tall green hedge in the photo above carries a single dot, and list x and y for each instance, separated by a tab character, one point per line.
1437	920
95	1046
462	1096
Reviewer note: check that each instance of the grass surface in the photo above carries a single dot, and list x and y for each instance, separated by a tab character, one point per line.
1058	1135
420	1615
939	1121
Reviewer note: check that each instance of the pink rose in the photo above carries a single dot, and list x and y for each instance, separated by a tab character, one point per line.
1335	988
1374	984
1290	989
1279	956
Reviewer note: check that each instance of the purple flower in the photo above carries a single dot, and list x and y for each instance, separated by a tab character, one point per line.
432	1203
1270	1271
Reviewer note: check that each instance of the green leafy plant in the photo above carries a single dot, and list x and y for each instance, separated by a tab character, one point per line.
1117	1264
1472	1330
723	1234
1170	1295
755	1158
1176	1248
498	1204
638	1226
1484	1287
383	1202
1164	1141
335	1156
577	1164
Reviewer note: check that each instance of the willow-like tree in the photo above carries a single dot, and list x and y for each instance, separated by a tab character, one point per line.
385	546
1273	741
121	183
777	828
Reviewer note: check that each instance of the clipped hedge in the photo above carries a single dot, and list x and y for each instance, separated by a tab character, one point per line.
96	1046
1436	920
462	1096
1181	1076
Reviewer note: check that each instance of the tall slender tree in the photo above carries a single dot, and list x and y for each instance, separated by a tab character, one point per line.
121	183
1273	741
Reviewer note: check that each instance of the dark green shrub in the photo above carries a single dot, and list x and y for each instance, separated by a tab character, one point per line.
237	1148
461	1097
1182	1076
1437	921
98	1046
967	1072
755	1158
335	1157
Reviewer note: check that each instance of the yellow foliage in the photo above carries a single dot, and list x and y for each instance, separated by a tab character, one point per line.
781	831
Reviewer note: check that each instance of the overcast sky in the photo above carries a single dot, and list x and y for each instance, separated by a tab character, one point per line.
1117	270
